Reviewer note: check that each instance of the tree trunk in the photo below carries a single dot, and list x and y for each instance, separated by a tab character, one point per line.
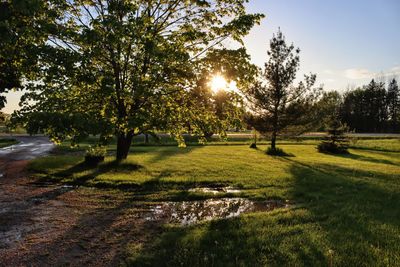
273	141
274	128
124	142
146	138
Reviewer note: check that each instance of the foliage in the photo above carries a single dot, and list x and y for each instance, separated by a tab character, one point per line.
327	105
215	112
277	105
129	65
336	141
24	26
365	109
393	102
96	151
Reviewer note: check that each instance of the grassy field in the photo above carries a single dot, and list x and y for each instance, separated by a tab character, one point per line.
345	214
4	142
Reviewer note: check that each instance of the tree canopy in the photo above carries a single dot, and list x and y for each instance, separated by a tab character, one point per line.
123	68
372	108
24	25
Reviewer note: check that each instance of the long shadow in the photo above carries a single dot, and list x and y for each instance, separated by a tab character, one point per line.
67	175
98	238
82	174
24	207
163	153
353	222
357	214
233	242
365	158
354	211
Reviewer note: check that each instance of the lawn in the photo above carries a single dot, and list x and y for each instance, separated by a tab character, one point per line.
4	142
345	210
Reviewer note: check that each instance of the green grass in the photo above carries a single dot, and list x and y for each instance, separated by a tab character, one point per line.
391	145
4	142
346	213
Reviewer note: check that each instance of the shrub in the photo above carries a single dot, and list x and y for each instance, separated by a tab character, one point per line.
96	151
330	147
336	142
95	155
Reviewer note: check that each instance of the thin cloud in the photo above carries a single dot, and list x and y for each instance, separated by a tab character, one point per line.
357	74
394	71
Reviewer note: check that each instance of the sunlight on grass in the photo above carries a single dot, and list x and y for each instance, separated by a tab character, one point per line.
345	212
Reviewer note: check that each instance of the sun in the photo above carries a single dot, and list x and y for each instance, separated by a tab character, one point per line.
218	83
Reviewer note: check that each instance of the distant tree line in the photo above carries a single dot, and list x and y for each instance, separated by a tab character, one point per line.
373	108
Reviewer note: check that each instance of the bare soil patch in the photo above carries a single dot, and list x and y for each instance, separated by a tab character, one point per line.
47	225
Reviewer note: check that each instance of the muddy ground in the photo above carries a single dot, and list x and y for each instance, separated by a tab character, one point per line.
55	225
48	225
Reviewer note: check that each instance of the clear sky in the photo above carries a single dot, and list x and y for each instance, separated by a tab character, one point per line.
345	42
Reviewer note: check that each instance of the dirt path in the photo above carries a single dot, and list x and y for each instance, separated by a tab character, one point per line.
54	225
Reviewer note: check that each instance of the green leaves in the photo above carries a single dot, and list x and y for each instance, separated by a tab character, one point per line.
24	26
131	66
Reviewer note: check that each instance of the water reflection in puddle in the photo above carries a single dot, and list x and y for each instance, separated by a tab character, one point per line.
215	190
190	212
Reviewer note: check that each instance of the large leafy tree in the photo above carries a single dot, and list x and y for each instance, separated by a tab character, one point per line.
278	105
117	67
215	112
24	25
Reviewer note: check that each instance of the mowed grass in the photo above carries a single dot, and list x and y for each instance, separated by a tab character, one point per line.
391	145
345	214
4	142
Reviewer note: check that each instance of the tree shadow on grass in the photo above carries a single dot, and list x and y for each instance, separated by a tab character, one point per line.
253	240
363	158
158	186
80	174
168	152
345	219
357	210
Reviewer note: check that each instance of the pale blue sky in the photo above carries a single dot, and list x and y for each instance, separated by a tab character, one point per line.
345	42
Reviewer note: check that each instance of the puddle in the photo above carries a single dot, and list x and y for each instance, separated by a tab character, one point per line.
191	212
215	190
27	148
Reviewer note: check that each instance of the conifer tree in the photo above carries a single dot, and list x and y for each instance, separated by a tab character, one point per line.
336	141
393	98
277	104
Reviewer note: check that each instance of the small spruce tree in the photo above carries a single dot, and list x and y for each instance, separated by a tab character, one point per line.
336	142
